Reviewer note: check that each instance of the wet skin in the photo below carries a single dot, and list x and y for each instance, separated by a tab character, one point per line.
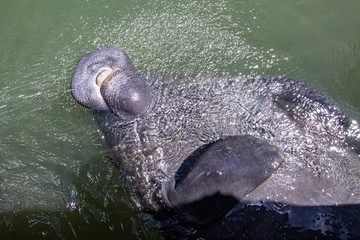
198	151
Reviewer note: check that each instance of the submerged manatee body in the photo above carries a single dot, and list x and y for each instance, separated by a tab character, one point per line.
212	149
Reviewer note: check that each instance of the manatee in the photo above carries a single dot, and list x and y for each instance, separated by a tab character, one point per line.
209	148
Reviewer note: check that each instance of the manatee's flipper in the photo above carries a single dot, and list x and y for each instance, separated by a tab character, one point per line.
312	109
216	176
305	104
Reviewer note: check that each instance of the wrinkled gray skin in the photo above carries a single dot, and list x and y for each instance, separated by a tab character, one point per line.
171	140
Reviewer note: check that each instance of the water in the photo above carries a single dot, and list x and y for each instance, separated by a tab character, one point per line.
56	180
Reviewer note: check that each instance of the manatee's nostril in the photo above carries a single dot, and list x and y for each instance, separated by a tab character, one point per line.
100	79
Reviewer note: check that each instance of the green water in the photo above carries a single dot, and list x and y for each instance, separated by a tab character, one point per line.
55	177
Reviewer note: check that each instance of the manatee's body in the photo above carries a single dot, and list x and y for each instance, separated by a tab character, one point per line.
187	115
309	133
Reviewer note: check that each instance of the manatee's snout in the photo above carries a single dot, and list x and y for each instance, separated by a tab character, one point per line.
106	79
126	94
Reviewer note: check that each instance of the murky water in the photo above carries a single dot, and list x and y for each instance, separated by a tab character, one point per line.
56	180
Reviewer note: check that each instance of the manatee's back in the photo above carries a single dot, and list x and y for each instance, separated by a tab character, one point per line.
309	129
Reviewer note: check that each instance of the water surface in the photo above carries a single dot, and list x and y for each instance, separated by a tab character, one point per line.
56	180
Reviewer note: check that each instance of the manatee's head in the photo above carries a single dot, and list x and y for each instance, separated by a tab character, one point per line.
106	79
